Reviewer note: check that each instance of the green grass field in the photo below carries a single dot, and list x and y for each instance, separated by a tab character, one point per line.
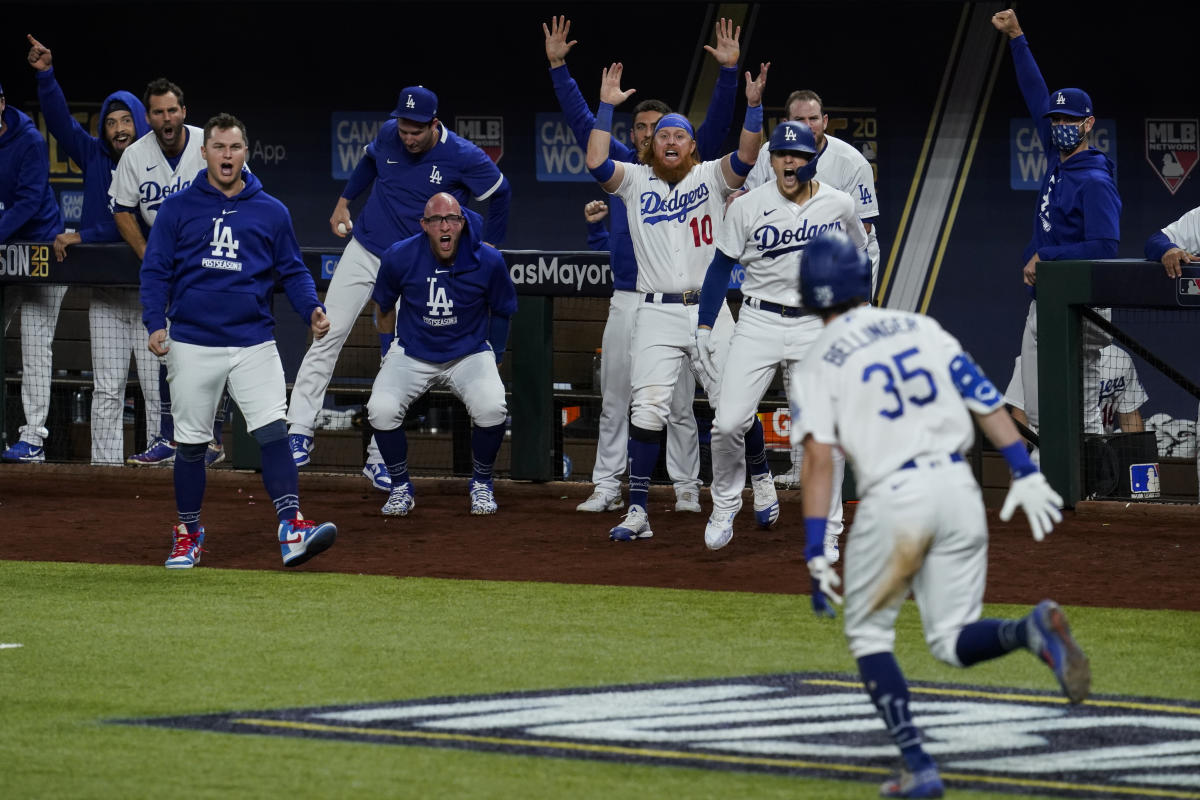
105	642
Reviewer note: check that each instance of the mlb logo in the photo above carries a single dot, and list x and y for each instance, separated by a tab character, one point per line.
1144	482
328	265
1172	149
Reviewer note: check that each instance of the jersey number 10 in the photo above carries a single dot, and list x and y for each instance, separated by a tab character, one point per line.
701	230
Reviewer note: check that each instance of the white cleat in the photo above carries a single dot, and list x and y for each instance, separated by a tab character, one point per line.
766	501
599	502
719	529
688	500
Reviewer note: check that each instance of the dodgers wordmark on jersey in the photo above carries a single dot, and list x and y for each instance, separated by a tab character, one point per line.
673	226
144	178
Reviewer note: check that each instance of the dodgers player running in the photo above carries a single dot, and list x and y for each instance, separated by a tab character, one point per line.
763	231
413	157
455	300
893	389
214	255
672	203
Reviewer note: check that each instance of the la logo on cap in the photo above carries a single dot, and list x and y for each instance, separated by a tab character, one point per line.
789	134
1062	99
411	104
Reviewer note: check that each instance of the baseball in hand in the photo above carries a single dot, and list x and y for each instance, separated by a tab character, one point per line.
342	229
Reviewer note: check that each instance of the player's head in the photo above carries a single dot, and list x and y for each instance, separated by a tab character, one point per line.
1071	119
165	111
443	223
224	150
804	105
834	274
672	151
793	152
118	127
416	119
646	115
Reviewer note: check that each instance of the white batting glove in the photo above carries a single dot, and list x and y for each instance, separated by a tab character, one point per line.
825	578
1040	503
706	350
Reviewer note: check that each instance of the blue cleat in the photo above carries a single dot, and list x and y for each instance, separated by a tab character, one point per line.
301	446
24	453
301	539
1050	640
185	548
926	783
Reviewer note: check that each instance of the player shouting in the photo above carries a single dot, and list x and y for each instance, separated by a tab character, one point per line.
672	204
215	252
764	230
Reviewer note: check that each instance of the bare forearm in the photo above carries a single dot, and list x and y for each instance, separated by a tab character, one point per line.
131	232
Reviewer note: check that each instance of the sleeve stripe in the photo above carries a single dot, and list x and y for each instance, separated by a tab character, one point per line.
488	193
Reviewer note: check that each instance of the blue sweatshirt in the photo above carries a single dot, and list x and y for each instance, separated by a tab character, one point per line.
28	210
447	311
1078	212
404	183
212	262
709	138
93	154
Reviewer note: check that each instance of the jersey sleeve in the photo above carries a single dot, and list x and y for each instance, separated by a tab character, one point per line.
712	132
867	203
387	283
289	266
124	189
1185	231
158	269
761	172
731	234
579	117
62	126
812	407
33	175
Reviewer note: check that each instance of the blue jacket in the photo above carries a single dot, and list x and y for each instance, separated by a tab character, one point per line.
1078	213
28	210
709	138
92	153
212	262
447	312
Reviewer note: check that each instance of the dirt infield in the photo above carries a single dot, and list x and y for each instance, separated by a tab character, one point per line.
1104	554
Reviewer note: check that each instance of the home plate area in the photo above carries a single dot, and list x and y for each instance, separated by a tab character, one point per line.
804	724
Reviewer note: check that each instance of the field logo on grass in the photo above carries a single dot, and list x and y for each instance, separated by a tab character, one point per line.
808	725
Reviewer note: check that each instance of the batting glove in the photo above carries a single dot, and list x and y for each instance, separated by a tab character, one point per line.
820	603
825	580
1040	503
706	350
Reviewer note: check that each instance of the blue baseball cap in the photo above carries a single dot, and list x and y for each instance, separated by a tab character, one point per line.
792	136
1072	102
673	120
417	104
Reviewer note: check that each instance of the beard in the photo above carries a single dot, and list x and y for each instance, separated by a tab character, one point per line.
671	174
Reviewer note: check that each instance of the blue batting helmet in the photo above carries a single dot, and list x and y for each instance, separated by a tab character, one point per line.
795	136
833	271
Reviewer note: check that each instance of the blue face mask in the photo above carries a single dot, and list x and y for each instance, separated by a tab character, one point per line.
809	170
1067	137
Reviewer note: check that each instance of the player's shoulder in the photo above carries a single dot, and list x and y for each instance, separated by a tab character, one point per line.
844	151
139	149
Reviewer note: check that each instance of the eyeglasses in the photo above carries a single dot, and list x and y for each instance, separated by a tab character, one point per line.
438	219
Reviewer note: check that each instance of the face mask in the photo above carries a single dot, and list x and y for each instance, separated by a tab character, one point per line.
1067	137
809	170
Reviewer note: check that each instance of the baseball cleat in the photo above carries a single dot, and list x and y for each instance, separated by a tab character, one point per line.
301	448
214	455
766	501
378	475
301	539
185	548
789	479
600	502
158	453
636	525
688	500
483	498
832	552
926	783
25	453
719	529
400	501
1050	640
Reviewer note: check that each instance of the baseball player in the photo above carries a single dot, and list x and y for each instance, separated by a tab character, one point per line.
893	389
159	164
114	318
215	253
1111	403
455	299
413	157
763	231
673	204
28	212
612	451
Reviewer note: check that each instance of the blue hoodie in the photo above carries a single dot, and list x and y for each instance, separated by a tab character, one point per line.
93	154
28	210
212	263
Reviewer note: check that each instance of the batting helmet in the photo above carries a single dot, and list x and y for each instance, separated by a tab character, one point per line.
794	136
833	271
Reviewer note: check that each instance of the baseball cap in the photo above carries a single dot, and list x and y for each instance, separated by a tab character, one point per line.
675	121
1072	102
416	103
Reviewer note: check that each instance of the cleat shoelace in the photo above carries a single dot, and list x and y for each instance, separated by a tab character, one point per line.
302	524
184	544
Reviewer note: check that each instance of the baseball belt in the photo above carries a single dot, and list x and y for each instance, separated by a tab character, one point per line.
933	462
691	298
775	308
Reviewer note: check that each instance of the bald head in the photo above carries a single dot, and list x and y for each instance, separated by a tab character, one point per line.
443	225
442	203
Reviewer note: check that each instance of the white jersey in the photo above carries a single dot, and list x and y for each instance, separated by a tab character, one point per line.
673	227
877	382
1115	389
144	179
765	232
1185	231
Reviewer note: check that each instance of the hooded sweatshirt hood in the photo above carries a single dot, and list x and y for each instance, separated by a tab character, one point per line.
138	111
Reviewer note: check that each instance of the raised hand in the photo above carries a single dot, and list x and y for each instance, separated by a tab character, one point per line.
557	45
39	55
727	50
595	211
1006	22
610	85
756	87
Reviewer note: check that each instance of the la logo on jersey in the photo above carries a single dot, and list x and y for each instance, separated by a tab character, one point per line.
435	176
224	248
439	308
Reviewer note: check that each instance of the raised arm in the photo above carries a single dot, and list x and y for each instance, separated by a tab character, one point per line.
607	172
710	136
736	166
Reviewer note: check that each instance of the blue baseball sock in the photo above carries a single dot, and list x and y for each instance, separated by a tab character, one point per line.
190	480
756	448
643	455
990	638
889	692
281	478
485	445
393	447
166	425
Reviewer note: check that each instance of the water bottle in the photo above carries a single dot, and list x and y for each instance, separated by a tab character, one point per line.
596	371
79	407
